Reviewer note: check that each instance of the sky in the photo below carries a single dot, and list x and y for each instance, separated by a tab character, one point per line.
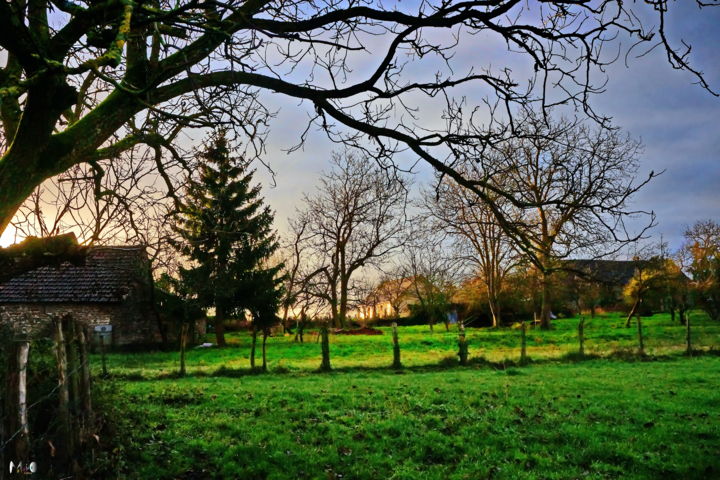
677	121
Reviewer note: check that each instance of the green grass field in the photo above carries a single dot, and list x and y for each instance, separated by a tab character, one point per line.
615	417
604	335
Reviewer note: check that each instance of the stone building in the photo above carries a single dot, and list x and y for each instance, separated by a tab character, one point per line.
108	286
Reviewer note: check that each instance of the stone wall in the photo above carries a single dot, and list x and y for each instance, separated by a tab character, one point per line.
131	325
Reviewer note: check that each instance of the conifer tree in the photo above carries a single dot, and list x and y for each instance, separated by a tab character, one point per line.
226	232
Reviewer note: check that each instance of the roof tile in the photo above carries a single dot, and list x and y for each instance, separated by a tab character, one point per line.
106	276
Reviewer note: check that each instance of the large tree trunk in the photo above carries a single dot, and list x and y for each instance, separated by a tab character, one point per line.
343	302
545	301
9	201
37	154
30	157
18	178
334	310
220	326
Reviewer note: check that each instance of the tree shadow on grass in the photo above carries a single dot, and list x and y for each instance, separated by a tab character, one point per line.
447	363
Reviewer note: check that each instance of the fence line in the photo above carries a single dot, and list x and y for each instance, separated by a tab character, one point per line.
70	427
37	402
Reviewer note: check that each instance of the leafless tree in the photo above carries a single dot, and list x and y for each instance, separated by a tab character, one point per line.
292	258
395	288
365	300
82	82
354	220
478	237
434	273
124	201
74	201
570	184
123	205
299	279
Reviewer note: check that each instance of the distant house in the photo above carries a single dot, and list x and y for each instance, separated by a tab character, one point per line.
607	272
106	286
392	298
597	283
601	283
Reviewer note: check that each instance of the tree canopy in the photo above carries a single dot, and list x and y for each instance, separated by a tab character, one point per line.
83	82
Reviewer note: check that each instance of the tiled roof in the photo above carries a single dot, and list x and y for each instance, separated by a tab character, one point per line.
107	275
613	272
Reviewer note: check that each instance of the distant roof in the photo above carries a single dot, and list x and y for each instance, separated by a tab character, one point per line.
614	272
106	275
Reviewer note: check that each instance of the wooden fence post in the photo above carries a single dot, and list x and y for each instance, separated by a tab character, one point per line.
689	351
87	416
73	379
641	340
22	444
183	343
581	336
325	347
65	445
102	355
396	347
71	347
265	333
252	347
462	345
523	343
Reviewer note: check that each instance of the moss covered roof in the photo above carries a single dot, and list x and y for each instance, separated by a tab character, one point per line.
96	275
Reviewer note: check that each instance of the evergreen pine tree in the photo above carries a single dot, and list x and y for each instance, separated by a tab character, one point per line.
226	232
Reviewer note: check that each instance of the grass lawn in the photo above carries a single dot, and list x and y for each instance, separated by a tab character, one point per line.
604	335
593	419
599	418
